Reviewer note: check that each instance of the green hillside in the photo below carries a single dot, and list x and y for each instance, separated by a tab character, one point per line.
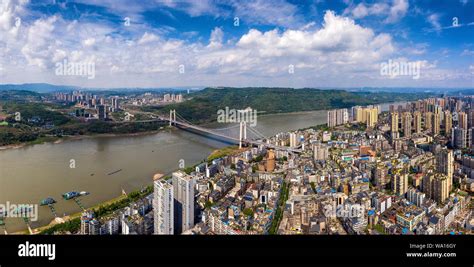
202	106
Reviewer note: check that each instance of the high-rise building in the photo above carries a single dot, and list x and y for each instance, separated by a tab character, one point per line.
470	117
337	117
357	114
371	116
163	207
332	118
367	115
394	122
320	152
436	124
427	184
400	183
470	137
86	218
115	103
435	186
342	116
391	109
380	176
183	192
441	188
416	197
417	122
462	120
459	139
445	165
468	165
293	140
101	111
428	118
448	123
94	227
406	123
270	162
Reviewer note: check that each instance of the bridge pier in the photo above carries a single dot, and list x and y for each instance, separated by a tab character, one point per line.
172	116
242	132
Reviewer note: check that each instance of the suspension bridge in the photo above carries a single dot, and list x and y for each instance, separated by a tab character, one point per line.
177	120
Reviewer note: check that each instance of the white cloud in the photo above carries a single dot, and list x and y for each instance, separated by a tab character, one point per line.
10	16
217	36
339	52
397	10
393	12
337	35
264	12
148	38
275	12
415	48
59	55
467	52
361	10
89	42
194	8
340	43
433	19
39	47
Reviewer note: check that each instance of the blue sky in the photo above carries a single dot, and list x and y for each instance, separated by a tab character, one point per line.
313	43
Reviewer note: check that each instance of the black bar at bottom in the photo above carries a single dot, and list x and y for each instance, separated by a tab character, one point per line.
248	250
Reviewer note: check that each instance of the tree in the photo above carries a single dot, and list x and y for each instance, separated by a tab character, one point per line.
313	186
248	212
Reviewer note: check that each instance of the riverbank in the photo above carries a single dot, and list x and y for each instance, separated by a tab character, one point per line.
139	157
225	151
58	140
69	218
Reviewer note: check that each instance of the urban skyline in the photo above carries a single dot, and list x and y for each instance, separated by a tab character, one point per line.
406	170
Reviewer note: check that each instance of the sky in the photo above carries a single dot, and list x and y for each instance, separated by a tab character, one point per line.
278	43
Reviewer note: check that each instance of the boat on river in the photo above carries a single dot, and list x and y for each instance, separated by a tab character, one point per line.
71	195
47	201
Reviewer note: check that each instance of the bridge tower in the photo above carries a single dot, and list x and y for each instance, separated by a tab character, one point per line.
172	116
242	133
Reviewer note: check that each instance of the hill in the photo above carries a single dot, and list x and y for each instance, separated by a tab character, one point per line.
202	106
37	87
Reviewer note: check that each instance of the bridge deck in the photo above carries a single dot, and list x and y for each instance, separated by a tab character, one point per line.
253	142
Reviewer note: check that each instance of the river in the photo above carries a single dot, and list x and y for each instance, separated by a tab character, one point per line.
32	173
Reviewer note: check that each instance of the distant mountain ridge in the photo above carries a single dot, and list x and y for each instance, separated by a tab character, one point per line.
48	88
37	87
